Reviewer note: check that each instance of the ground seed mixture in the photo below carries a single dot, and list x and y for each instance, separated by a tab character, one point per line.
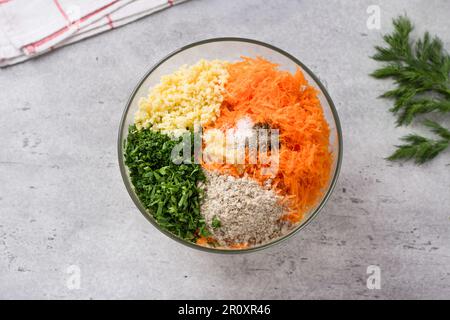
238	211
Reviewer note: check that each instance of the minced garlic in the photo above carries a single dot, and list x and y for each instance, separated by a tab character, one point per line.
191	95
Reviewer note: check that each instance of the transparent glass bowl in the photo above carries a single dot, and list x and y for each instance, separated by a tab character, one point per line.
231	49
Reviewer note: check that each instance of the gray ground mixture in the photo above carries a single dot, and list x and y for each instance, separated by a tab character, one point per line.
247	212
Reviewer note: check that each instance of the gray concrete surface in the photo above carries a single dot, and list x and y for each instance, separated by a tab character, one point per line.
63	203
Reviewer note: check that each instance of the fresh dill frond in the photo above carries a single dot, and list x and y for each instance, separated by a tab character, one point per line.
421	106
421	72
422	149
420	69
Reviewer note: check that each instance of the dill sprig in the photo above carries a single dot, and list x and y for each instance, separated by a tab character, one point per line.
422	149
420	70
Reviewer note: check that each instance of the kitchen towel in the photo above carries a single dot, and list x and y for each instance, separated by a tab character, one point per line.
30	28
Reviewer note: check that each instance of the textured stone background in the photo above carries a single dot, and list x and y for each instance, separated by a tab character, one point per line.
62	200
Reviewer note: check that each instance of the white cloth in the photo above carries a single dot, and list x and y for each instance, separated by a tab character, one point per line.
32	27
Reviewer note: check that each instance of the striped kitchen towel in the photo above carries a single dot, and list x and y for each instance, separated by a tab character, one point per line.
32	27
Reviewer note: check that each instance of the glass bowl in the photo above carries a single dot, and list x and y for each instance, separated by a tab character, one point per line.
231	49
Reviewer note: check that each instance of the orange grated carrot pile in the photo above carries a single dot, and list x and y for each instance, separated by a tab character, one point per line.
206	241
256	88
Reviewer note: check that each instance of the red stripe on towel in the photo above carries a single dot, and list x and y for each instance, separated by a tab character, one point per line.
61	10
97	11
31	48
110	22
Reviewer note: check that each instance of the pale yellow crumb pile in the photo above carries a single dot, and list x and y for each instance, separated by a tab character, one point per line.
191	95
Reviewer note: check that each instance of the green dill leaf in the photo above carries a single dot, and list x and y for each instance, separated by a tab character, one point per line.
422	149
421	72
439	130
421	106
420	69
386	72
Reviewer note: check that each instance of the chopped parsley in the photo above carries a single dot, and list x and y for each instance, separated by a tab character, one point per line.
169	191
216	223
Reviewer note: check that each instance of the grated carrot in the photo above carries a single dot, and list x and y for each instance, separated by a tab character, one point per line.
256	88
207	241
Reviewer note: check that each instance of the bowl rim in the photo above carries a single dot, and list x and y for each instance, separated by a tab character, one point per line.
147	215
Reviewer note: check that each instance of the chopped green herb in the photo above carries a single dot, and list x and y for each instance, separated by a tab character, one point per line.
169	191
216	223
